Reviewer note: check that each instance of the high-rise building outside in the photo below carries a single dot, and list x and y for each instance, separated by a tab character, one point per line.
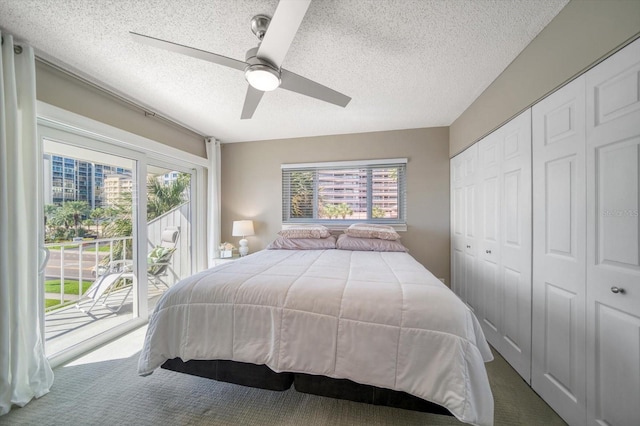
68	179
115	186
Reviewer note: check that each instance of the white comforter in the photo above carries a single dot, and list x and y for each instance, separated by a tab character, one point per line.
375	318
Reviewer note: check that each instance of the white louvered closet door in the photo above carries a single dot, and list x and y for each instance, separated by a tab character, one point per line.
559	250
613	240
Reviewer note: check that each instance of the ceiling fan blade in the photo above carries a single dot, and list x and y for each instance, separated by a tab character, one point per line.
251	102
189	51
282	29
304	86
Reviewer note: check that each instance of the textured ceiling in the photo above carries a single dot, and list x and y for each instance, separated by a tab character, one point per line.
406	63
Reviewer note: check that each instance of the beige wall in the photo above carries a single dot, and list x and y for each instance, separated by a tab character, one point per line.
251	184
62	90
583	33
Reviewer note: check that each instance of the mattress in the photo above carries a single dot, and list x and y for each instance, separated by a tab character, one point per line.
376	318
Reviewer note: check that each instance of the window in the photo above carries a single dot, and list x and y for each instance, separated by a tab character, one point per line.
345	192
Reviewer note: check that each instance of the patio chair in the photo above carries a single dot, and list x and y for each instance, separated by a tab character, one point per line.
159	259
120	271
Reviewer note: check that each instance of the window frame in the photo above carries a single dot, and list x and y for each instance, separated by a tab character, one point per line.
398	223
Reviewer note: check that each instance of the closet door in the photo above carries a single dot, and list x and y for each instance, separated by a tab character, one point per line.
515	243
613	240
458	242
490	188
464	172
505	241
471	224
559	247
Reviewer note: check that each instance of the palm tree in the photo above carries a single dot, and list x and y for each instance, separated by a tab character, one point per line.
162	198
50	211
86	223
343	210
76	210
330	210
58	225
377	212
301	194
119	224
98	214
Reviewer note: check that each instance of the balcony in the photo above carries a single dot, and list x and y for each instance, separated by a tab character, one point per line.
71	265
74	266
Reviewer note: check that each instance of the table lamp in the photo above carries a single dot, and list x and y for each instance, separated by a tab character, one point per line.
243	228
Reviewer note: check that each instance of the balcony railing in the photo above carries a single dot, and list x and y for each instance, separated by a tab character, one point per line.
81	262
66	326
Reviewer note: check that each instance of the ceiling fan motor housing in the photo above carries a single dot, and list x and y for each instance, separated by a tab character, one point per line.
261	74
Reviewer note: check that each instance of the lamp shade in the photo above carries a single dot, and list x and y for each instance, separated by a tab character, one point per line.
242	228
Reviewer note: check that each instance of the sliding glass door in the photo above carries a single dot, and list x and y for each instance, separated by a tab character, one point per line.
94	210
123	221
169	226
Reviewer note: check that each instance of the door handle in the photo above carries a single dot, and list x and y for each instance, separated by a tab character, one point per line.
617	290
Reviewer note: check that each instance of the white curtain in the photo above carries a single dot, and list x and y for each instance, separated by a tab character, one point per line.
24	370
213	210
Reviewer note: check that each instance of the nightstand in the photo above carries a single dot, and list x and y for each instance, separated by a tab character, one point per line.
222	260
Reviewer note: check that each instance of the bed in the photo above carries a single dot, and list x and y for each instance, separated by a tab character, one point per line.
372	325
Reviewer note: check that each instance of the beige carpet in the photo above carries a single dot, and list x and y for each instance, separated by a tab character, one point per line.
109	392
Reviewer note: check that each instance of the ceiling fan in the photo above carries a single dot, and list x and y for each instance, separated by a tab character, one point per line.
262	65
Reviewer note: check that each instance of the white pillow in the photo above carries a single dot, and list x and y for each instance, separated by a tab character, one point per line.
305	231
282	243
346	242
370	230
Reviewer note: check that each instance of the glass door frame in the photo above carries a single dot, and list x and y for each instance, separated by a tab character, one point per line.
194	196
59	125
139	206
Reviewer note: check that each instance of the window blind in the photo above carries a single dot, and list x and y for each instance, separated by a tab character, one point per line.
345	192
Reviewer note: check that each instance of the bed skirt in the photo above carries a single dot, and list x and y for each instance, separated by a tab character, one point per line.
261	376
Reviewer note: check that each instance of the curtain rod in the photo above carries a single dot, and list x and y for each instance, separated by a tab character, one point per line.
119	97
17	49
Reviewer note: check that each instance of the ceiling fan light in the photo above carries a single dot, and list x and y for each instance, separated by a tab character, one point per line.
262	77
